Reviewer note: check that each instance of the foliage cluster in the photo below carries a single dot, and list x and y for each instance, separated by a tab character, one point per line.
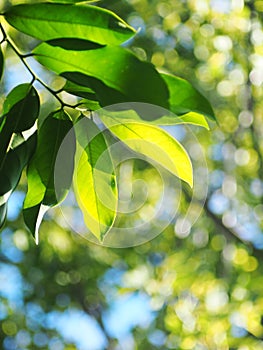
81	43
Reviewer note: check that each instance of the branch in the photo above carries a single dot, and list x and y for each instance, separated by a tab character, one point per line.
34	76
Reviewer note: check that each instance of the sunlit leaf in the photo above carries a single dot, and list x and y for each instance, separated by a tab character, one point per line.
88	105
184	98
154	143
48	21
42	193
76	1
142	112
94	179
115	74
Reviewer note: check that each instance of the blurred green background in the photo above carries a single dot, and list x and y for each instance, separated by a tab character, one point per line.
198	288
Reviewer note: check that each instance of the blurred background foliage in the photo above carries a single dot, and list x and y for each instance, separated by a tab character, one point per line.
193	288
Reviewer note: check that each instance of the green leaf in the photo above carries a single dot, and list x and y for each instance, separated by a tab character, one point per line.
3	211
1	64
88	105
18	139
48	21
79	90
192	118
184	98
154	143
142	112
94	179
74	44
76	1
115	74
15	161
24	147
21	109
42	193
13	165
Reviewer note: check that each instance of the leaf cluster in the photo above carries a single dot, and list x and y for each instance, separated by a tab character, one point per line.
83	44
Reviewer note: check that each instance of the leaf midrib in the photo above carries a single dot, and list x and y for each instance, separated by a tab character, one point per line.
93	179
53	159
174	140
33	19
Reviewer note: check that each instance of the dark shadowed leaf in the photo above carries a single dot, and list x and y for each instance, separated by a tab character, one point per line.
1	63
18	140
41	193
21	109
75	44
79	90
14	162
48	21
3	211
115	74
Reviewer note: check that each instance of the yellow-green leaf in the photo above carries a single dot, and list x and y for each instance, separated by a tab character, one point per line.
94	179
154	143
141	112
184	98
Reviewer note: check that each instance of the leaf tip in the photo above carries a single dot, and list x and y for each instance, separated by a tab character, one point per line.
33	217
37	238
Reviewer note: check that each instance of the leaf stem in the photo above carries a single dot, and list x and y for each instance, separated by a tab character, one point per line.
3	33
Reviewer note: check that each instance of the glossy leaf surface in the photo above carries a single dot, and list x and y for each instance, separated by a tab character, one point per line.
115	74
184	98
48	21
143	112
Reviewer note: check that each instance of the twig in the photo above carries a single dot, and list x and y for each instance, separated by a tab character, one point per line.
23	58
